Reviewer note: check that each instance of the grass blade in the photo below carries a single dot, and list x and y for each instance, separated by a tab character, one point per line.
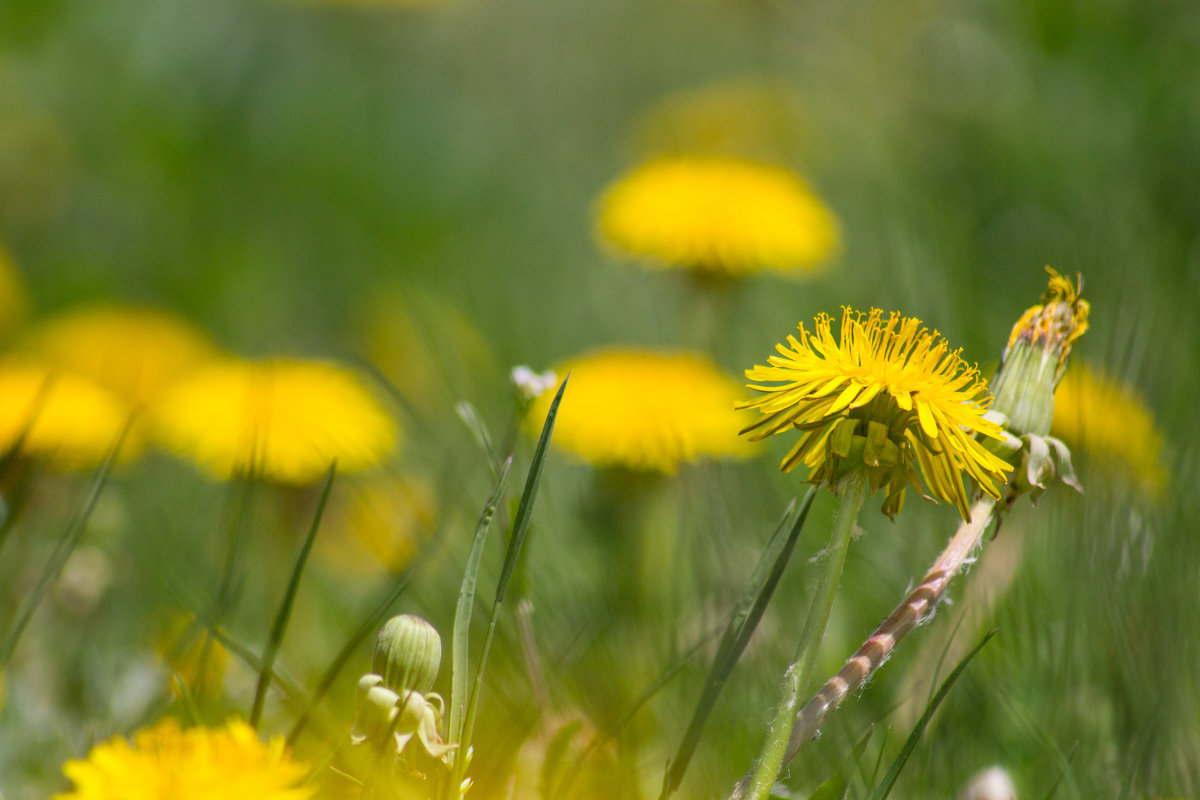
62	550
889	779
460	652
838	784
475	423
279	626
515	543
742	623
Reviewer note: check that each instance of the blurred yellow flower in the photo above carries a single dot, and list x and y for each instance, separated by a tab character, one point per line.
193	656
644	410
166	762
283	420
377	522
1107	420
63	418
885	396
13	301
742	117
133	352
719	215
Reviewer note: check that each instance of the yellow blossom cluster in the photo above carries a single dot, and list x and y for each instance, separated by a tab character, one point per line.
83	380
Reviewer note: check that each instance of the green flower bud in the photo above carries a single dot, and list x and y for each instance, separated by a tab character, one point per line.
408	654
1033	362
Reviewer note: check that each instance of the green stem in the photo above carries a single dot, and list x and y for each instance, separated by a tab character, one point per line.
795	681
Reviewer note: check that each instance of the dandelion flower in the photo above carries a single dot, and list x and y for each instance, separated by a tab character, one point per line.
63	418
166	762
887	396
644	410
283	420
719	215
132	352
1106	418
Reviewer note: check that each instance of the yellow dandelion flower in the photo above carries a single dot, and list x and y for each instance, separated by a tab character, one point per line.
719	215
644	410
284	420
886	395
166	762
63	418
1105	417
132	352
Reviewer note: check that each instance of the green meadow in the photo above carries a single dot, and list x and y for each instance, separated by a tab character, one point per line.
352	219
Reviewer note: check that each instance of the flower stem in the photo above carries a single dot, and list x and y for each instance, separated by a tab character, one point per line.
917	607
758	784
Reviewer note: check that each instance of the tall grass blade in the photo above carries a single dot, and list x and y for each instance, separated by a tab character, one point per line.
745	618
62	550
515	543
460	654
279	626
910	744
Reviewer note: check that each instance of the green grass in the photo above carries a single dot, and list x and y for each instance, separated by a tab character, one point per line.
348	182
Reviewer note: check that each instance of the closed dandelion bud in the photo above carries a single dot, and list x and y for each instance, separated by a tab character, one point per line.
1036	355
408	654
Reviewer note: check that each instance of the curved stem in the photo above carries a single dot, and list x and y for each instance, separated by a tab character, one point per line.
918	607
757	785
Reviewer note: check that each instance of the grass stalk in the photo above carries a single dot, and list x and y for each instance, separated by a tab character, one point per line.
758	784
512	554
460	649
283	615
62	550
742	624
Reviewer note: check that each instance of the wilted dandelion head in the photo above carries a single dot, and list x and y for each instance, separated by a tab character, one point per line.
888	396
66	419
644	410
132	352
166	762
1105	418
283	420
720	215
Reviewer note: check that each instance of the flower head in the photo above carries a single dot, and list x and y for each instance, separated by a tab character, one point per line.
720	215
1106	418
166	762
644	410
64	418
284	420
886	395
1036	355
132	352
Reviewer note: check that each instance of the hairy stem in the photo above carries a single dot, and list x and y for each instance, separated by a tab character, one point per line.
757	785
916	608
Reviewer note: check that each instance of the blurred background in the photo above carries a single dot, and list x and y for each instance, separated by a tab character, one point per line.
411	188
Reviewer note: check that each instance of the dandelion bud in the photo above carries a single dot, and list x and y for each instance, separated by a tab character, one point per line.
1036	355
375	714
408	654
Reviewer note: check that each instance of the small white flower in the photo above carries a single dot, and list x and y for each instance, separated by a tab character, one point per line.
531	384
